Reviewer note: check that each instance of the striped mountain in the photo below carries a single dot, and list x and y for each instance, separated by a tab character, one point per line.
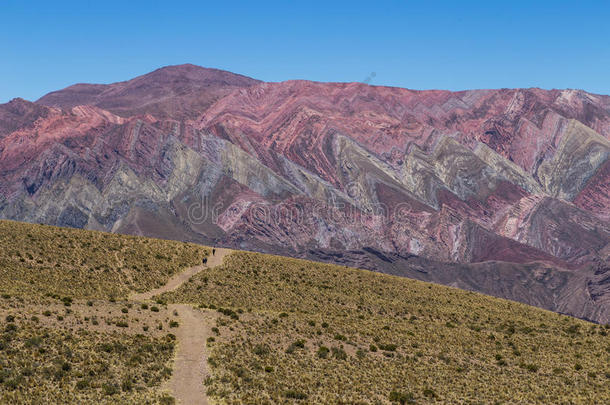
500	191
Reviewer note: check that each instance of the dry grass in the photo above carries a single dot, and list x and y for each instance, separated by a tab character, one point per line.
293	330
67	333
37	260
55	365
288	330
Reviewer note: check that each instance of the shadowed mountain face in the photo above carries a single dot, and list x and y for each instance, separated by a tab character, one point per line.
500	191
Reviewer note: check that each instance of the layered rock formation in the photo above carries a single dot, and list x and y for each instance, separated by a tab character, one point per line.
501	191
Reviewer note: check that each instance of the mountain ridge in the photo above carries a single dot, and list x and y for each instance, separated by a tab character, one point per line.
509	175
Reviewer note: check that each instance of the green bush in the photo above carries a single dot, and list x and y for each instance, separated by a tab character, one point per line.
339	353
293	394
401	397
260	349
388	347
110	389
323	352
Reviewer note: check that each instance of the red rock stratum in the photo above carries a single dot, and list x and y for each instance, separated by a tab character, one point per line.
500	191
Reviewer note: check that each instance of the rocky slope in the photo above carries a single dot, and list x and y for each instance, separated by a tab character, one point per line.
502	191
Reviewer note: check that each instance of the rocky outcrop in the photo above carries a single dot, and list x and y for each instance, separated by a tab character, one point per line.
500	191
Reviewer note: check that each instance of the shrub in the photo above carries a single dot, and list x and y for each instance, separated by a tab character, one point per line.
401	397
429	393
167	399
529	367
293	394
339	353
127	385
110	389
323	352
13	383
106	347
229	313
173	324
82	384
260	349
388	347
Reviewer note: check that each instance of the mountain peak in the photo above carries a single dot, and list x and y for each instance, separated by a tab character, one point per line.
177	91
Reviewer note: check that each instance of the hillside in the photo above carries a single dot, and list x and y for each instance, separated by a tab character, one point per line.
37	261
278	330
367	176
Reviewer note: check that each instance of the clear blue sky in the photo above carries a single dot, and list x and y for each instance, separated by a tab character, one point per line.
47	45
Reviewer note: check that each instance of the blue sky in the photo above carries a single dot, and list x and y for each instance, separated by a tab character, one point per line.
47	45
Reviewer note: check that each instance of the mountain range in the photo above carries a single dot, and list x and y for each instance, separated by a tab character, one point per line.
505	192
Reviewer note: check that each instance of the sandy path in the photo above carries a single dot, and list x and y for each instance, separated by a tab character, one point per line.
178	279
190	361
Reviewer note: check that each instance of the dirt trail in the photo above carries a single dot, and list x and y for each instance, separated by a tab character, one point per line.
178	279
190	361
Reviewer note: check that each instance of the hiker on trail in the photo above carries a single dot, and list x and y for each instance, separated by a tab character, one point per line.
205	260
213	251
